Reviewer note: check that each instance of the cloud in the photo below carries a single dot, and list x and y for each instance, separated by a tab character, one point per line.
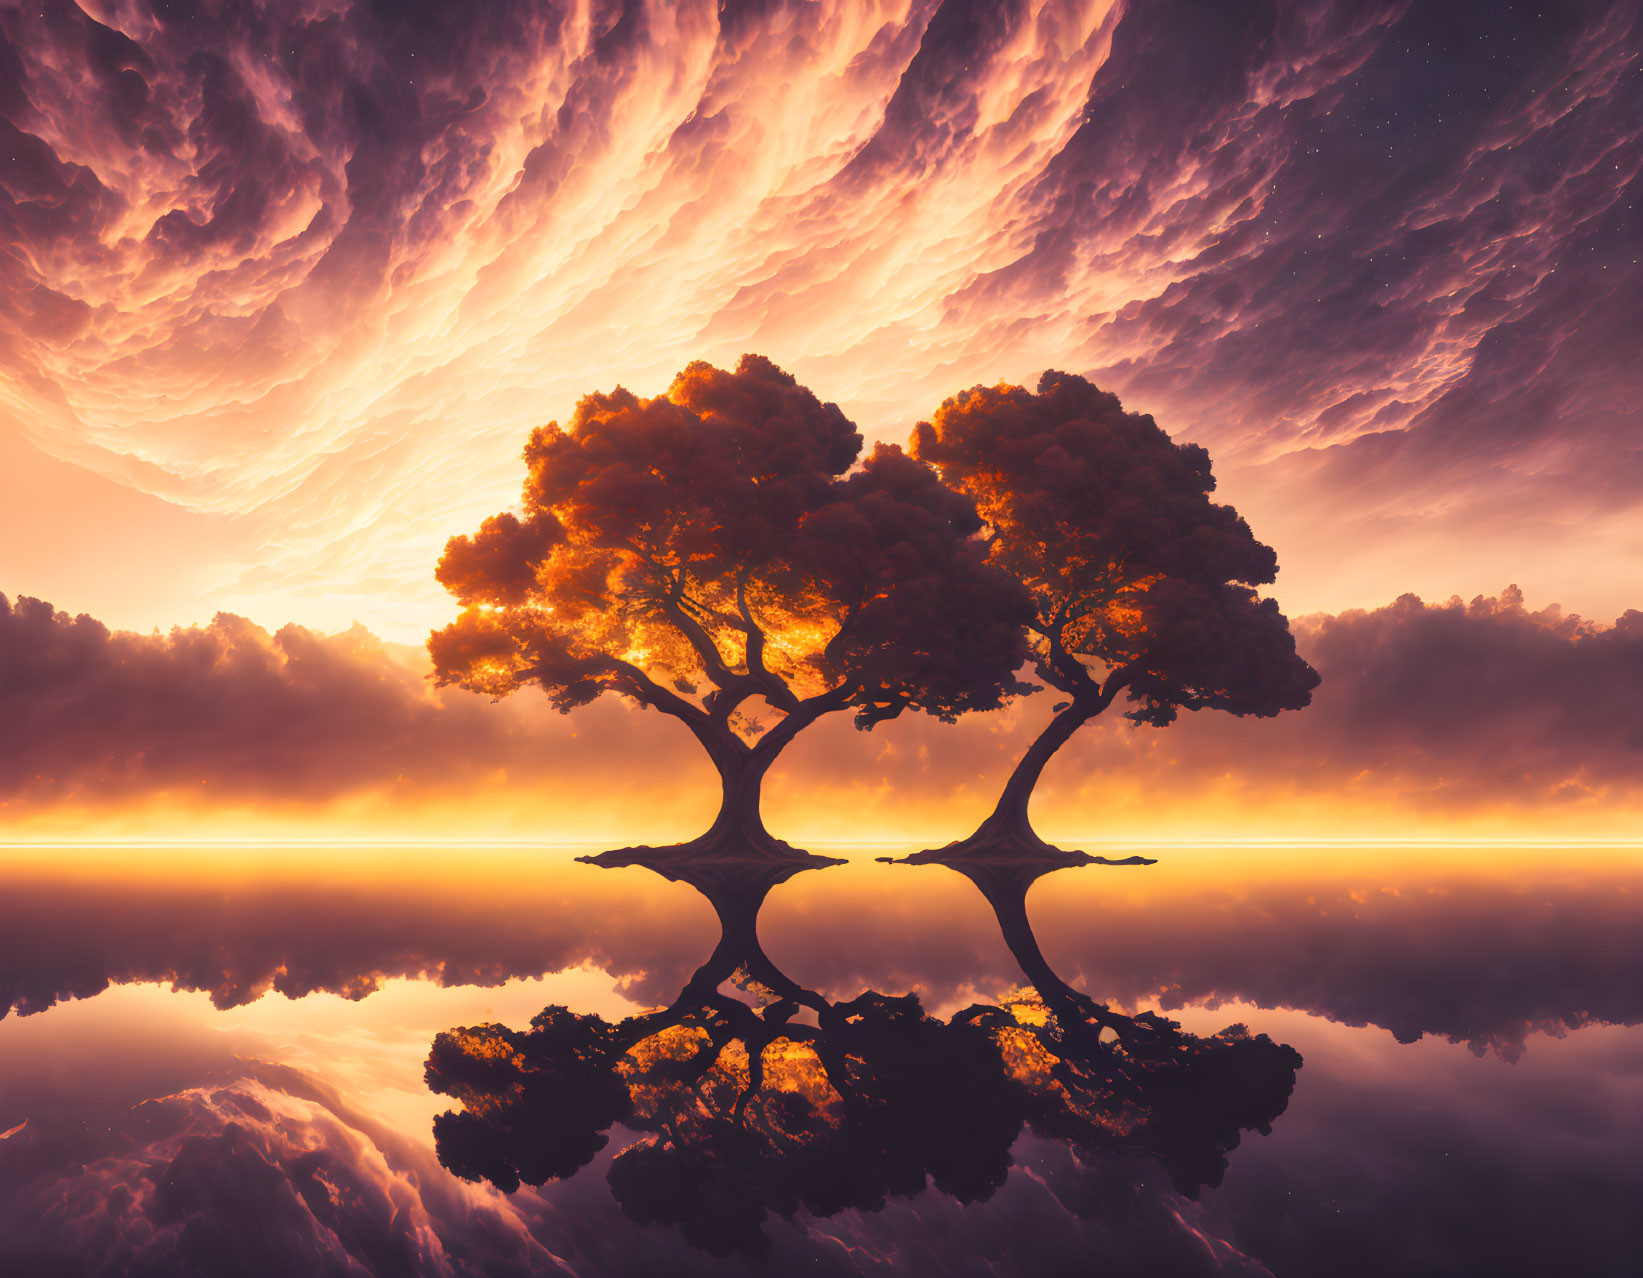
267	1173
440	923
315	271
1478	1168
1456	704
229	714
1429	712
1486	697
1427	715
1408	942
263	1165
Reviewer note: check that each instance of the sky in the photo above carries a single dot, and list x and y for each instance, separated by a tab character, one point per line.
287	285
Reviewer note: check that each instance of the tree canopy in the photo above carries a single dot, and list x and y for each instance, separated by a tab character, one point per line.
712	548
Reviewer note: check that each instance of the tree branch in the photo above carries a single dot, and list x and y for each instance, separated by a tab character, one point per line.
881	712
849	617
714	734
775	689
722	703
1070	668
671	599
803	714
646	691
1116	682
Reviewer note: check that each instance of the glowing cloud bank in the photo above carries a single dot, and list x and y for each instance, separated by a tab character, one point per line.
1429	717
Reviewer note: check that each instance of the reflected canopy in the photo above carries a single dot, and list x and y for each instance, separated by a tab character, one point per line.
753	1095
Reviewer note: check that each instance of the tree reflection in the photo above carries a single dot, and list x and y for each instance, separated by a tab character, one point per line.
1151	1086
753	1095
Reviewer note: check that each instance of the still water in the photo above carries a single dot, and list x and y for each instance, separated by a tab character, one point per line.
1296	1061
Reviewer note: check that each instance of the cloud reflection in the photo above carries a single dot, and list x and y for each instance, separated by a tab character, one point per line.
1409	942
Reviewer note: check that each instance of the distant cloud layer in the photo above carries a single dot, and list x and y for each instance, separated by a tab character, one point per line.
288	716
1427	711
230	716
1484	698
1441	705
310	272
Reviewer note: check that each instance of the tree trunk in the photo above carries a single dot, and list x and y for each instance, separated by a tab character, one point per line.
738	832
739	819
1005	883
1009	819
1007	835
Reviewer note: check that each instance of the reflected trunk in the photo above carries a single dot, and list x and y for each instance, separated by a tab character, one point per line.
736	887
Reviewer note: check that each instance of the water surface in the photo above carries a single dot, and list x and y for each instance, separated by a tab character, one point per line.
214	1061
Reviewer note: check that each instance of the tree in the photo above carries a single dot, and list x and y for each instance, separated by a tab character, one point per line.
1140	583
710	549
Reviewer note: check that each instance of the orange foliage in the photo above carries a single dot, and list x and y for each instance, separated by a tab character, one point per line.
1132	568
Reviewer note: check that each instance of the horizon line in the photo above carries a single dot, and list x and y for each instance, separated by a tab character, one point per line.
1285	842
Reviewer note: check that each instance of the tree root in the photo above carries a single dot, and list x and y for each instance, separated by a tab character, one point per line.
1012	847
737	849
